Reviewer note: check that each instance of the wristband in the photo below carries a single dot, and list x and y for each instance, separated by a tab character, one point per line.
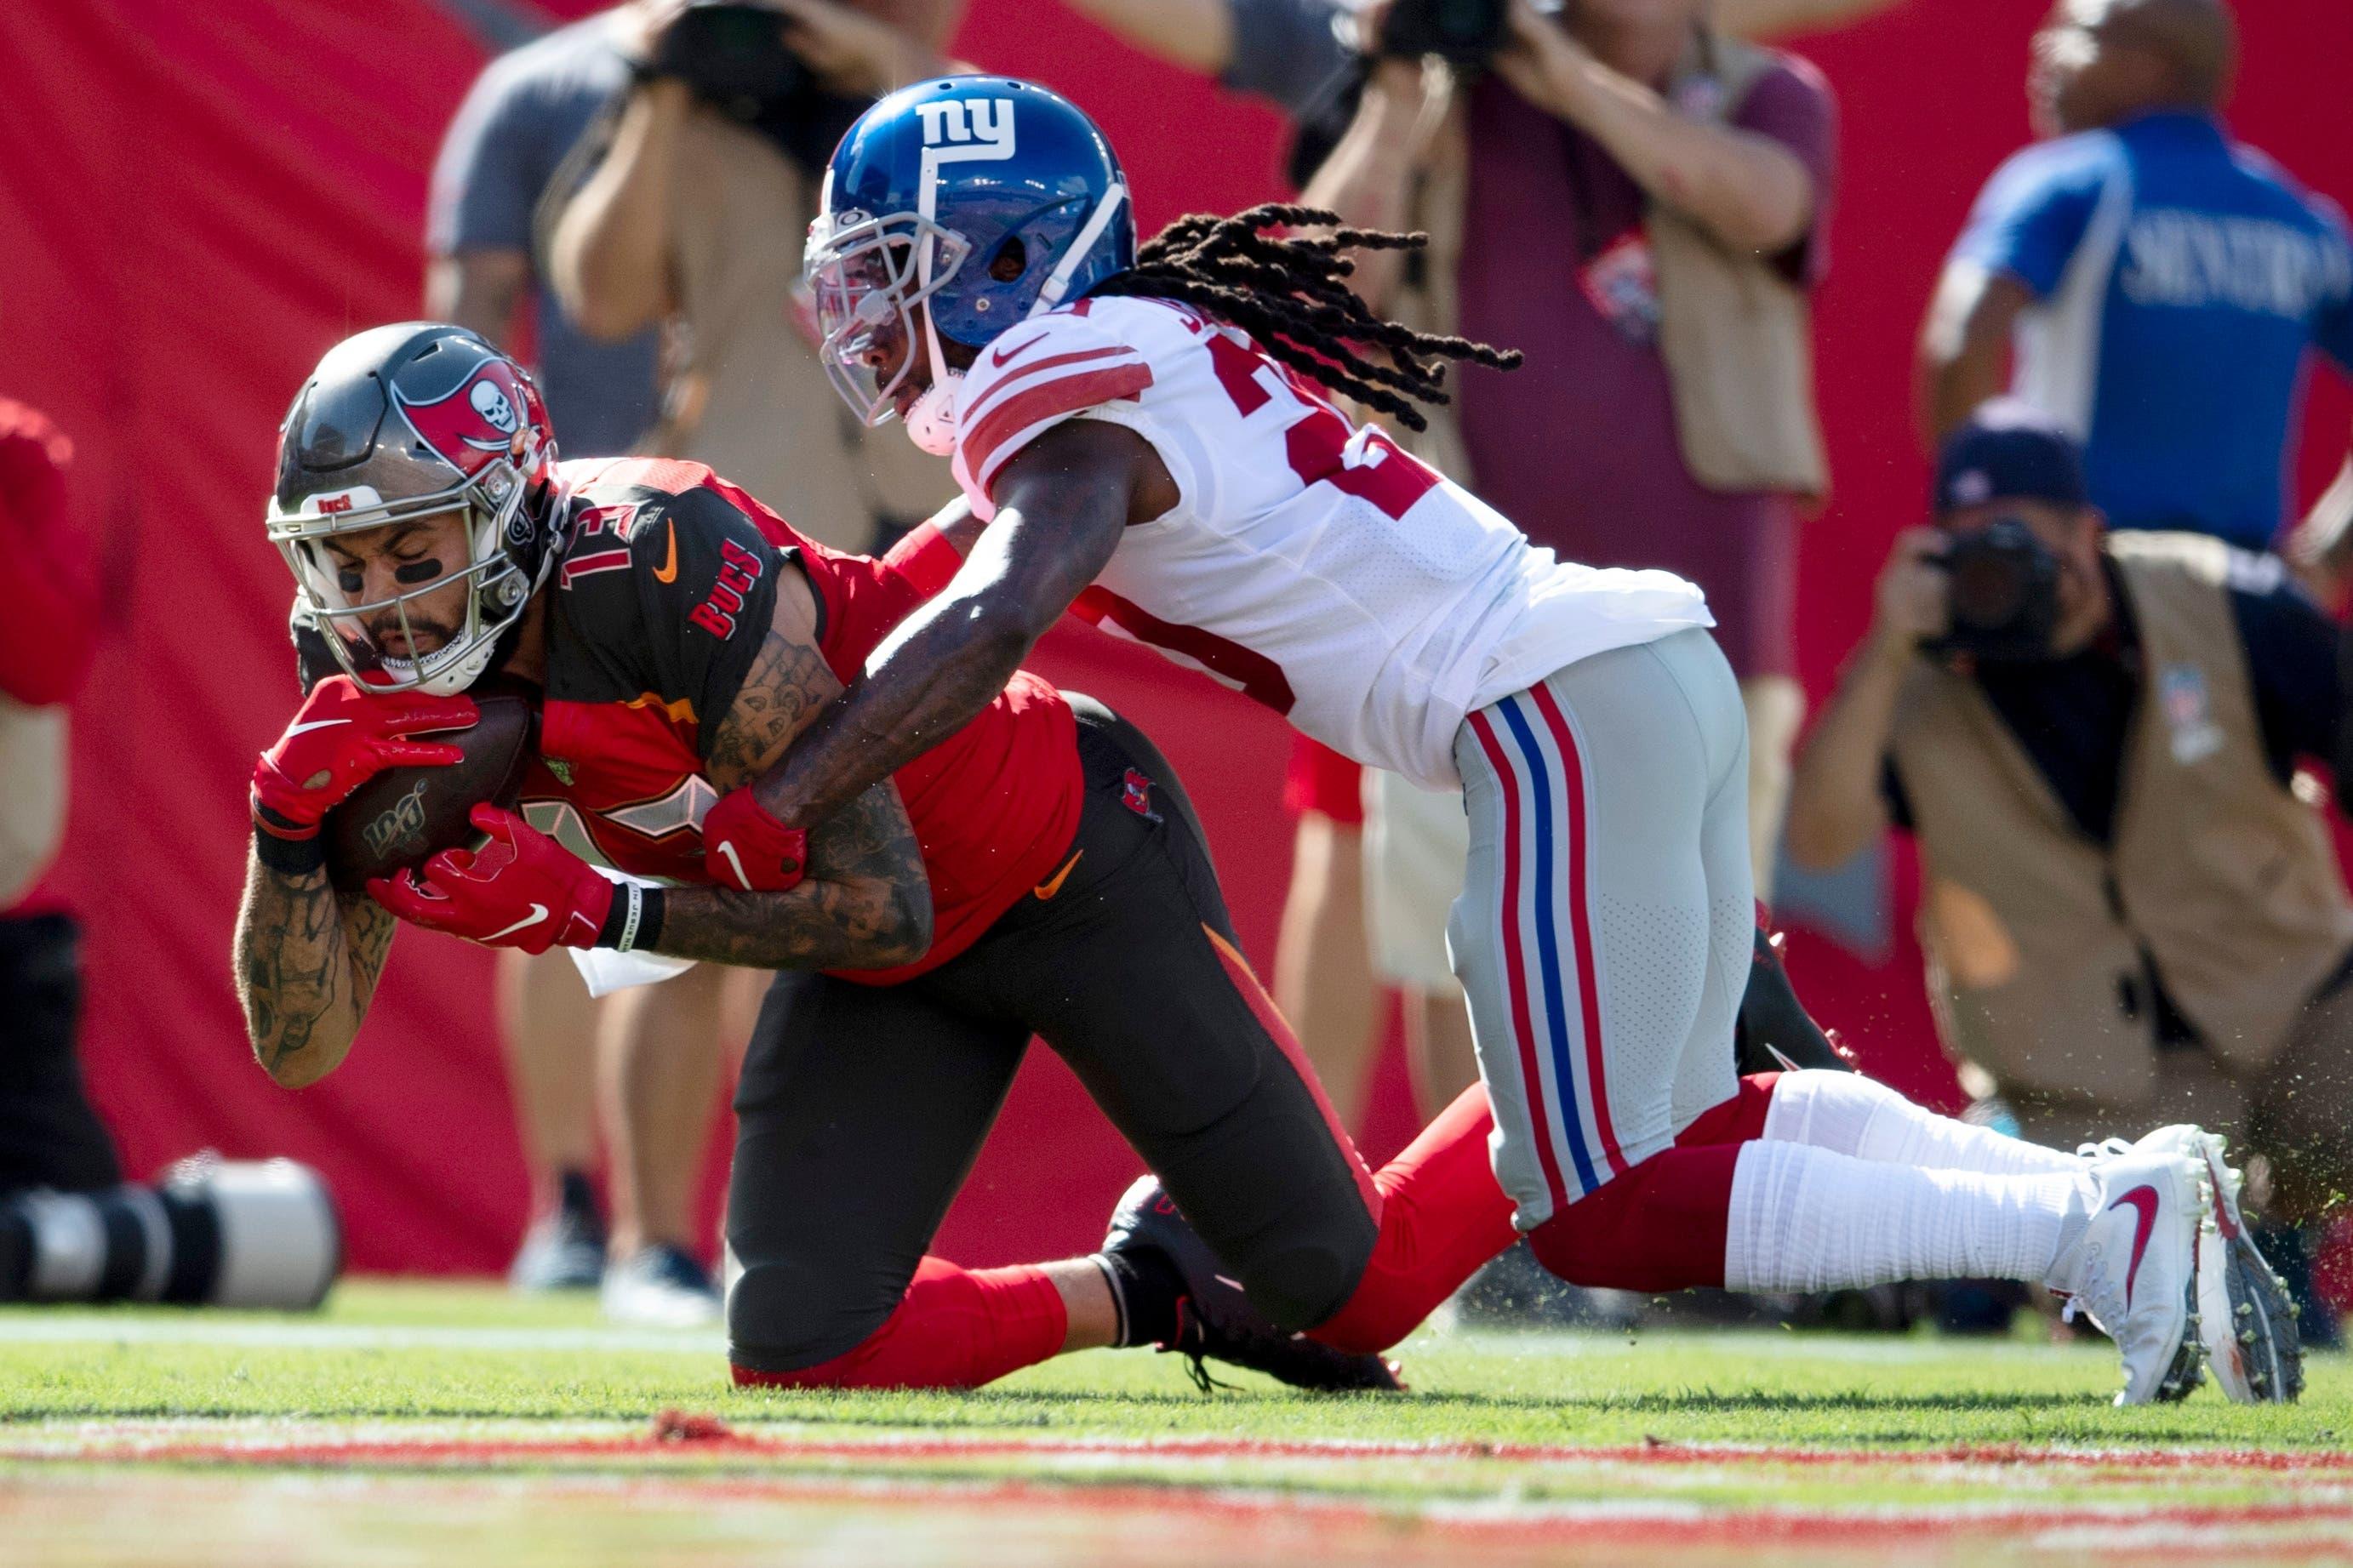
634	920
288	856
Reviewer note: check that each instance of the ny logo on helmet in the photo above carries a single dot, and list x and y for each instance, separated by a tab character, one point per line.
987	121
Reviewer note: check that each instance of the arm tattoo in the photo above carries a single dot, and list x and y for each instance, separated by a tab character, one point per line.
1063	505
788	682
866	903
307	961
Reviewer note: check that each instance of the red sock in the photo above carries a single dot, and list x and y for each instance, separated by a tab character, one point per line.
1659	1227
1736	1120
955	1328
1443	1217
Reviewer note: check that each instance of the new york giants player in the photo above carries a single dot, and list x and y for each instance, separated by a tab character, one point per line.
1148	438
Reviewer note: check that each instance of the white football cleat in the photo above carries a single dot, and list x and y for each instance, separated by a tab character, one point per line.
2247	1318
2134	1267
659	1288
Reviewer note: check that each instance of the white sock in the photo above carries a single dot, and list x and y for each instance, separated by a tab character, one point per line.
1849	1114
1809	1219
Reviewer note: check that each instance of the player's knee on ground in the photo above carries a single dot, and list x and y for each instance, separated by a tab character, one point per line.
788	1317
1276	1202
1298	1287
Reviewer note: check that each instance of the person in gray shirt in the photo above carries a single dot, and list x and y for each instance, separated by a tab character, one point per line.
519	124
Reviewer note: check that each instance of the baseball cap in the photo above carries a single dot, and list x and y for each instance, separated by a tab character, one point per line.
2009	450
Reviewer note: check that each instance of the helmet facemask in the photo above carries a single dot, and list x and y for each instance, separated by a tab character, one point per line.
868	275
498	576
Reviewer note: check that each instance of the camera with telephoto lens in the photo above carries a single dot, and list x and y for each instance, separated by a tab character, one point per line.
2001	594
733	56
1463	32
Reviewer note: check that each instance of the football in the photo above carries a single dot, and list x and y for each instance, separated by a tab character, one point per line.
402	814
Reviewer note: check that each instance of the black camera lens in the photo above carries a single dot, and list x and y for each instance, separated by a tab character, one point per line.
1465	32
2001	593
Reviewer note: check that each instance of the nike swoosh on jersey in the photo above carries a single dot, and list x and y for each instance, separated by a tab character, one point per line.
315	724
667	570
998	357
1047	889
538	913
2144	1202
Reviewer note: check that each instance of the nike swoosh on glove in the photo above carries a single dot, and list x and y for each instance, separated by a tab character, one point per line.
343	736
746	849
521	889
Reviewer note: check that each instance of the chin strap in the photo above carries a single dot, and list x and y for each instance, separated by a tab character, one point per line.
1057	283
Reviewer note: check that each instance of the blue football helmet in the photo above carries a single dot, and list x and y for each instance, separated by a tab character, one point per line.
922	204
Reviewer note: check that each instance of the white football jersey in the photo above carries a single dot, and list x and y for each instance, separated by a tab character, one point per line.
1309	562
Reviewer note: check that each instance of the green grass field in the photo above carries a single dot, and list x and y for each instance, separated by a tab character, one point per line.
445	1423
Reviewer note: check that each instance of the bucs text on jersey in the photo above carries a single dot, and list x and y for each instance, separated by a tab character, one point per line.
1310	561
658	606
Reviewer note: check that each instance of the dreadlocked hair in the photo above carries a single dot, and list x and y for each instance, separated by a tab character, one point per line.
1291	293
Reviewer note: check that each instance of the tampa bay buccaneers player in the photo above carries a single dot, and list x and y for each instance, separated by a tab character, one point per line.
1039	870
1151	436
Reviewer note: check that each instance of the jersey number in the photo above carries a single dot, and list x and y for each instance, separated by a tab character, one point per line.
1321	450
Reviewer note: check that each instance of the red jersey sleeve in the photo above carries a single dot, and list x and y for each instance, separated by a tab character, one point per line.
48	580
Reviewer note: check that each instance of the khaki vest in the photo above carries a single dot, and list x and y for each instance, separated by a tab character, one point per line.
1736	335
2224	881
749	396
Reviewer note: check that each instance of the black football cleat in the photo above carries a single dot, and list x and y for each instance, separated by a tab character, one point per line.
1773	1032
1215	1321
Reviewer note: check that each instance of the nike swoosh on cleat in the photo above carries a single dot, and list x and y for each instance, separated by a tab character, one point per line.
667	570
316	724
1047	889
2144	1201
538	913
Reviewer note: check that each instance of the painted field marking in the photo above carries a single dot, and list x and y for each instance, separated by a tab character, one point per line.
279	1334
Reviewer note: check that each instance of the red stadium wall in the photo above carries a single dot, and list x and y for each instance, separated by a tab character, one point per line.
195	201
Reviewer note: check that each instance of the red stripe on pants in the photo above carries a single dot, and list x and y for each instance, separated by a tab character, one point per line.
1516	979
1443	1217
1580	922
955	1328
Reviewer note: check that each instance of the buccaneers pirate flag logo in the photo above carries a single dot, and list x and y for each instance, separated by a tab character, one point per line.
480	418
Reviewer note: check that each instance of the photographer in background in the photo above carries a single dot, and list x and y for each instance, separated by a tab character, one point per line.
2129	910
696	216
1637	201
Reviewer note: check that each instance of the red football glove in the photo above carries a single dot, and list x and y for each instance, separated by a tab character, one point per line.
521	889
745	847
343	736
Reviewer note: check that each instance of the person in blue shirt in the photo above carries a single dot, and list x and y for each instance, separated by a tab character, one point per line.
2160	283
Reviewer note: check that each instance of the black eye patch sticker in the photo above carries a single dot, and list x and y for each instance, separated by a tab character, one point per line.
414	572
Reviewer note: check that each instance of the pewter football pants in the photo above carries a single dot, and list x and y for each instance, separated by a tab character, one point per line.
1605	930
